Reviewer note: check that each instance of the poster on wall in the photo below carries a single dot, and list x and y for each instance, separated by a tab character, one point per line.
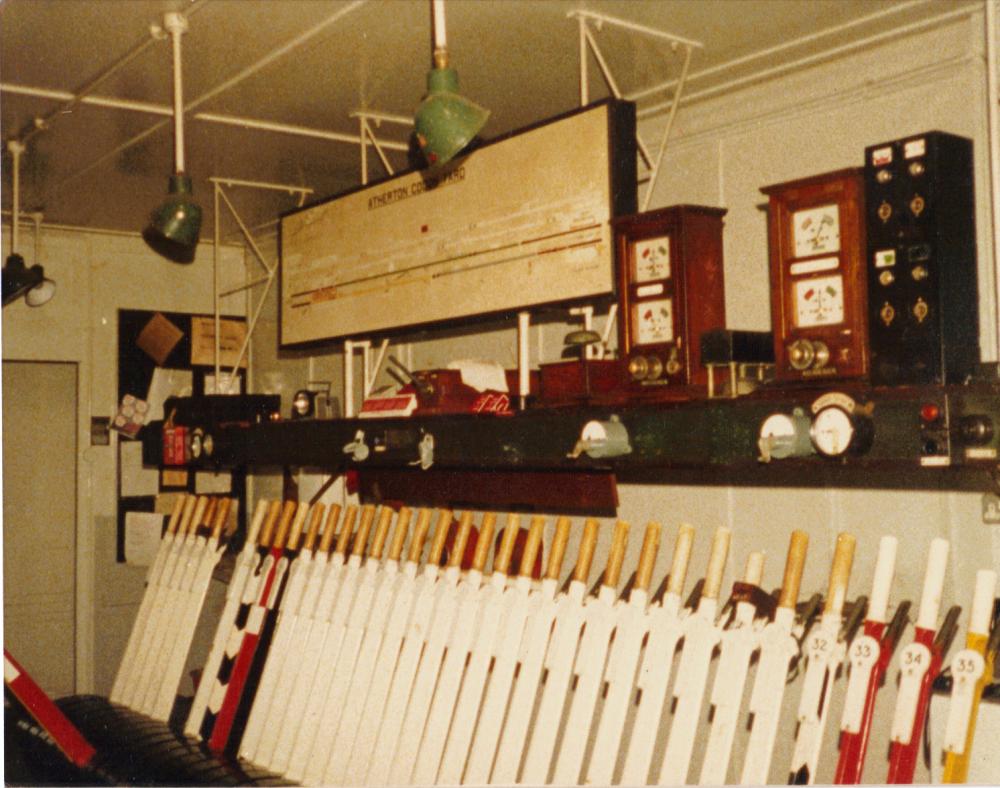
518	222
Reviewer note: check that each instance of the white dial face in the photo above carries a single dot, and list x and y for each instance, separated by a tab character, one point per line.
832	431
816	230
651	259
653	321
819	301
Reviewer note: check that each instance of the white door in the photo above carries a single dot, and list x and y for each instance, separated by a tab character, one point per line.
39	520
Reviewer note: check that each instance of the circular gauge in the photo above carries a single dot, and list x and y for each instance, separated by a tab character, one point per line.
832	431
836	432
784	435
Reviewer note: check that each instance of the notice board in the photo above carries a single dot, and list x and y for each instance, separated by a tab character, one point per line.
518	222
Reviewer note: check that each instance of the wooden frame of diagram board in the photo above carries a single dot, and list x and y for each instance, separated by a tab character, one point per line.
518	222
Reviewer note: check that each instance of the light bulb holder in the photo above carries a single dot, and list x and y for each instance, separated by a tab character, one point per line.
174	226
446	122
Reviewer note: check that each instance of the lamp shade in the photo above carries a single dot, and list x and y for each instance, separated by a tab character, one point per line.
445	122
18	278
174	226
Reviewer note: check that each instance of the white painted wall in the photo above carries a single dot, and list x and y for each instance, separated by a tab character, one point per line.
96	275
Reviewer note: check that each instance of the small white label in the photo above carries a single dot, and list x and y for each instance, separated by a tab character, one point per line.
885	258
811	266
980	453
649	290
882	156
935	462
914	148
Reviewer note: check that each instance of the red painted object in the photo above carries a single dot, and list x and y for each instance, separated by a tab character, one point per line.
40	706
853	746
244	659
903	757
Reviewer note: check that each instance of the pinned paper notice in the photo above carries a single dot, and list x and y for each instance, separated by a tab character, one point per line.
166	383
142	537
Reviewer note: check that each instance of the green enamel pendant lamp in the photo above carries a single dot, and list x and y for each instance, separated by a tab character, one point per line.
174	226
445	122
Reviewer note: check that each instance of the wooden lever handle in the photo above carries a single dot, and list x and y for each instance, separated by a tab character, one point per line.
312	531
270	521
298	523
681	559
347	529
753	573
221	515
441	529
192	523
501	561
484	541
461	540
399	535
364	528
288	512
558	550
798	544
619	541
840	573
329	528
535	532
586	555
207	515
184	522
257	521
419	536
175	514
647	557
716	563
381	533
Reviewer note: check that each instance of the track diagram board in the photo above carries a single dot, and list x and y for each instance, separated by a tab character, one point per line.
518	222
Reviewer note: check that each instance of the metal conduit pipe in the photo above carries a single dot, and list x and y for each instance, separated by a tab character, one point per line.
993	132
783	68
784	46
45	122
232	81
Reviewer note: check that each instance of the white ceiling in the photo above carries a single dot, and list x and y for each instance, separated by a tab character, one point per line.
102	167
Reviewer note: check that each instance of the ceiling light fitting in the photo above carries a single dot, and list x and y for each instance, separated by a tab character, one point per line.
18	278
445	122
174	226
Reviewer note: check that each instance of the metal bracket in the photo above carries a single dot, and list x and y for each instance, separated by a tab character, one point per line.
426	449
357	448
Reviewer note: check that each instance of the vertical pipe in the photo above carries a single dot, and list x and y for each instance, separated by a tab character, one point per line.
16	149
348	379
439	31
584	79
215	295
523	359
993	127
36	217
364	150
175	31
